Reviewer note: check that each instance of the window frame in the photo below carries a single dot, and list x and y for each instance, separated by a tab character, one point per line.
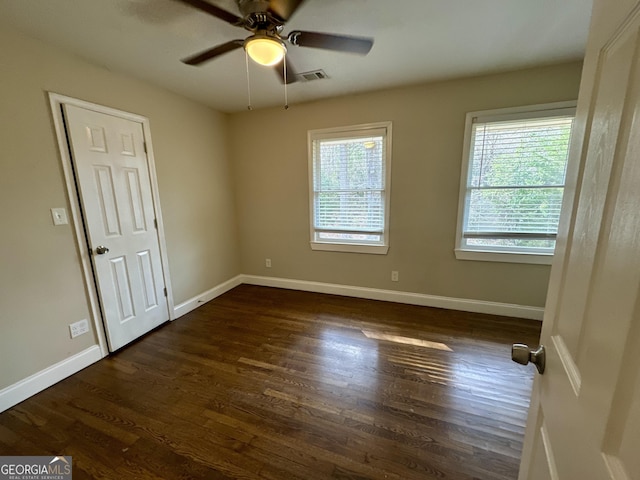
351	131
497	253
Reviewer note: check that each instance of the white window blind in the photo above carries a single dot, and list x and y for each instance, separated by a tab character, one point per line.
515	181
349	186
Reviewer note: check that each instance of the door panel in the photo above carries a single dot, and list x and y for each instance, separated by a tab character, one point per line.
586	422
148	279
117	202
122	288
542	462
623	429
608	102
106	201
135	201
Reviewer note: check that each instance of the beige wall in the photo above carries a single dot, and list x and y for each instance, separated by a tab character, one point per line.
41	285
214	216
269	149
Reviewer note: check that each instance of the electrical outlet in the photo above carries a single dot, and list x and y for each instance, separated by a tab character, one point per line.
267	262
394	276
79	328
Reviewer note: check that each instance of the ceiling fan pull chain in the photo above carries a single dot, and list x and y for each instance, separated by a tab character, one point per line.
246	57
286	99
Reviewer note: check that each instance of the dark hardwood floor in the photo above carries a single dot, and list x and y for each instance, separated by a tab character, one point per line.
265	383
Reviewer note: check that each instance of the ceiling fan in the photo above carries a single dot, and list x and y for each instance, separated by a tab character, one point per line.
265	19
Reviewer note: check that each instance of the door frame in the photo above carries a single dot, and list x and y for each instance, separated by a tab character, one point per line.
56	102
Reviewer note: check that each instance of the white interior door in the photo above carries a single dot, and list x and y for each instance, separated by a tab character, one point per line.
113	180
585	418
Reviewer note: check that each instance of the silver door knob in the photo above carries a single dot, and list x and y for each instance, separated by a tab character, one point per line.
522	354
101	249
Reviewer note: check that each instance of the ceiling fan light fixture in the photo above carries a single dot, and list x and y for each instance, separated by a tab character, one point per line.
265	50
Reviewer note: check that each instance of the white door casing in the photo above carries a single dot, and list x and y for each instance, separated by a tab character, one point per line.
584	421
114	183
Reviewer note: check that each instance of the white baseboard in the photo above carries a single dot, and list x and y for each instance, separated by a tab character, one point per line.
16	393
463	304
195	302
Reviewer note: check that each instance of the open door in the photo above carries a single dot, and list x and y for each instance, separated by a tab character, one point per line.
114	183
113	180
584	421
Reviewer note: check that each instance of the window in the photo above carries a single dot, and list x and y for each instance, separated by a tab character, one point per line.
513	176
349	172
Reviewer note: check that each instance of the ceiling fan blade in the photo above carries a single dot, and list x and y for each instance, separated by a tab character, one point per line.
283	9
205	55
328	41
213	10
292	77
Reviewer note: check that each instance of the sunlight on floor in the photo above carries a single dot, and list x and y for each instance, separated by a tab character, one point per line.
405	340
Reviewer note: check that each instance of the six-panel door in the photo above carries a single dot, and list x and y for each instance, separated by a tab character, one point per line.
117	203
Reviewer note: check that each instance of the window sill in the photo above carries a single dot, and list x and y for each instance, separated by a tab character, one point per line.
350	248
504	257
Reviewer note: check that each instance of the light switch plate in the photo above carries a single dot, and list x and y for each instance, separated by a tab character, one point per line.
59	216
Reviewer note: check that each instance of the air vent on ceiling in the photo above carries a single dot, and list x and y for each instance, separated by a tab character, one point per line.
312	75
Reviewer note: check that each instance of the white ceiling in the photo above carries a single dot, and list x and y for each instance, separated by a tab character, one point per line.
415	41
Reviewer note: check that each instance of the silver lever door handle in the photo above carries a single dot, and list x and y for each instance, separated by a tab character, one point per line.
522	354
101	249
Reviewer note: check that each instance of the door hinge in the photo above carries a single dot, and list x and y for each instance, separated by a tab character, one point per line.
145	147
155	223
165	291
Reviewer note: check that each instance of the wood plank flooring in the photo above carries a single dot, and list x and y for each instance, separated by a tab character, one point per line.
264	383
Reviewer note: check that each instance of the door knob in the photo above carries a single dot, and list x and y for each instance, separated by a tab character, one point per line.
522	354
101	249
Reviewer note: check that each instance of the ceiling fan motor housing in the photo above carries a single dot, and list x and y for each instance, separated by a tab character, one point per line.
258	18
